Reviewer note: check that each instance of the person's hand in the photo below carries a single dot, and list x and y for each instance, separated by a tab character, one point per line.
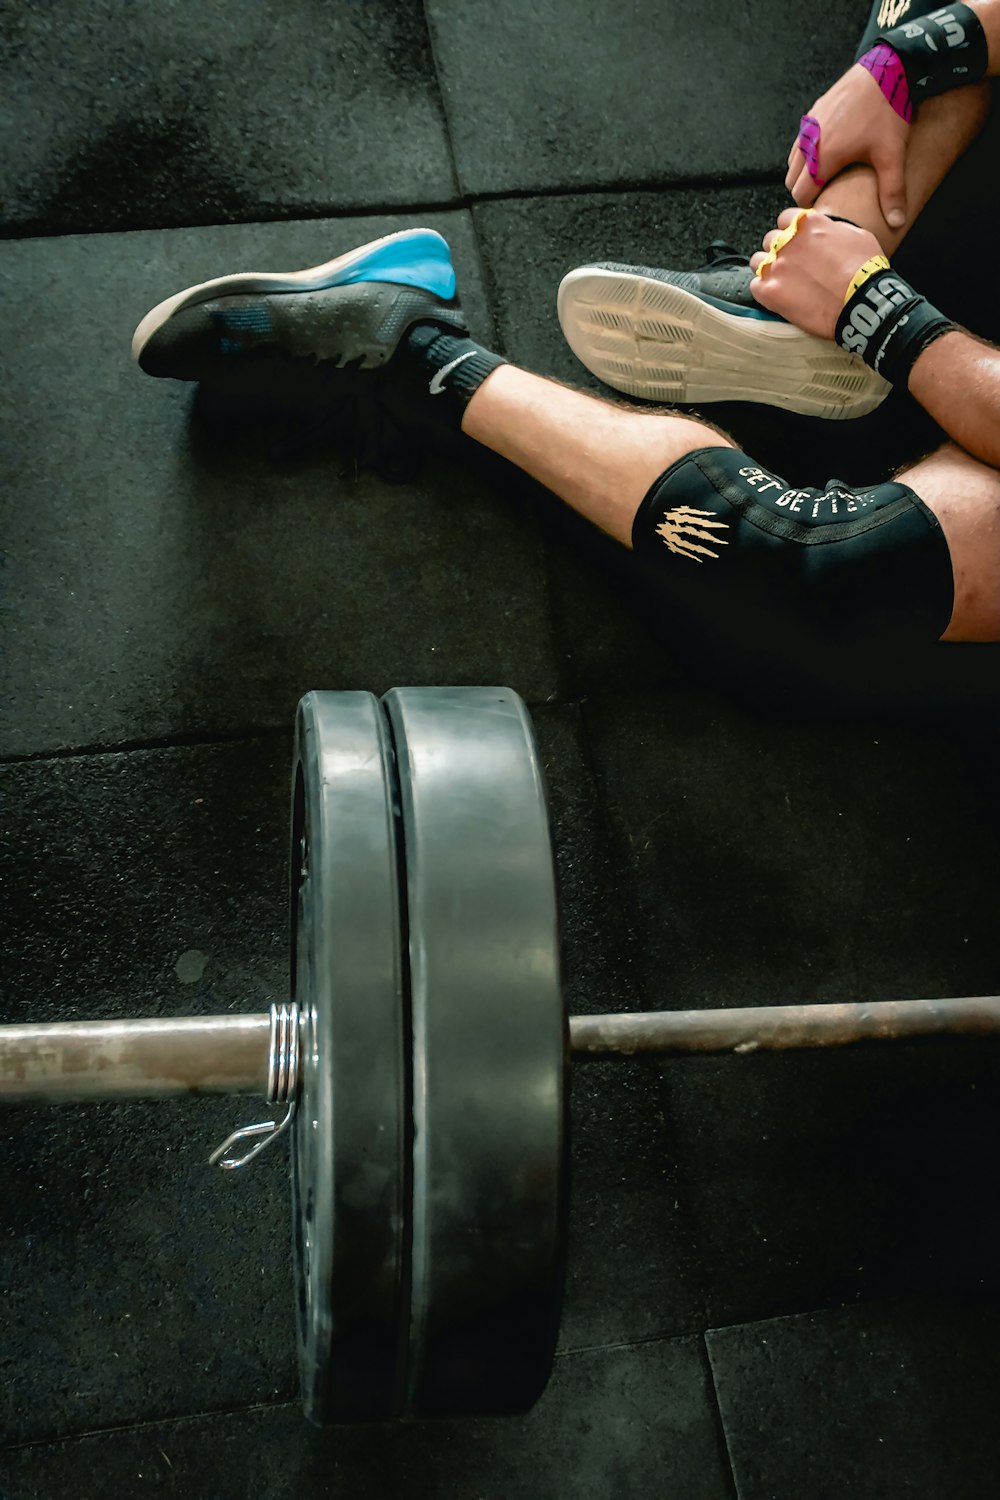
807	282
856	123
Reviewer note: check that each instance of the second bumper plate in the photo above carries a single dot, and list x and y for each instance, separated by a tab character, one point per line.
489	1052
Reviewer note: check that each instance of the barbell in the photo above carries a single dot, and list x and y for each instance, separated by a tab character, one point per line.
421	1057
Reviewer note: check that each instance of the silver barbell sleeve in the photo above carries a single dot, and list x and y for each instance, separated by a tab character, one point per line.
135	1059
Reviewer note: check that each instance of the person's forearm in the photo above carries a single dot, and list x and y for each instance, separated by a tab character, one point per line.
944	129
939	48
957	380
988	14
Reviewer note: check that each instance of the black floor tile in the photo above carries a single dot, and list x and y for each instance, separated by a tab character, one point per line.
634	1260
629	1224
139	863
598	936
831	1177
864	1403
188	114
798	863
136	1281
561	97
165	579
628	1422
784	861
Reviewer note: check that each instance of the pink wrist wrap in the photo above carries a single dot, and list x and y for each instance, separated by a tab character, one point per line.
883	63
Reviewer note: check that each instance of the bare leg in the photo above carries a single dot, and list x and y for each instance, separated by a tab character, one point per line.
601	459
965	496
944	129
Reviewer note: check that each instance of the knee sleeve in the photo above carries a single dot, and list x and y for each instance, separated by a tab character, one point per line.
741	550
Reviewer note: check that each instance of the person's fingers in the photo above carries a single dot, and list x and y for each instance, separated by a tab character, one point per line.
796	161
775	240
786	219
760	291
805	190
889	161
809	142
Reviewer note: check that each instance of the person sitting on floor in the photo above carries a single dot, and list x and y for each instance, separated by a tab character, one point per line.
817	321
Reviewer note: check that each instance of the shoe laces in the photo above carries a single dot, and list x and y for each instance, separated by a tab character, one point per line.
720	253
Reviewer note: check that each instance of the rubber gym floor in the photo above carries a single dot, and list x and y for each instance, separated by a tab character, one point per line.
781	1268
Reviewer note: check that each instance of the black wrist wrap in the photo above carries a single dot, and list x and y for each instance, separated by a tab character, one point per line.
888	324
940	51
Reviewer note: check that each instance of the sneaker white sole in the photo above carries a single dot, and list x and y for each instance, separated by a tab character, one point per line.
648	339
313	279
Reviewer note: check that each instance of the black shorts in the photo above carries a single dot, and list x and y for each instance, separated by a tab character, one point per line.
838	565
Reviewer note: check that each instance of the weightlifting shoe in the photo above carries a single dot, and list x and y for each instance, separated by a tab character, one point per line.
696	337
352	310
353	350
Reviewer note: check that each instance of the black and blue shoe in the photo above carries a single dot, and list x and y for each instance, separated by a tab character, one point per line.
351	352
691	338
350	311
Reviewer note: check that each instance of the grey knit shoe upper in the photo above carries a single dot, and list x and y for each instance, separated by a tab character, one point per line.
726	275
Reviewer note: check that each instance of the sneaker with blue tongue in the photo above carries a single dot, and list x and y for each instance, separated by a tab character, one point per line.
696	337
379	327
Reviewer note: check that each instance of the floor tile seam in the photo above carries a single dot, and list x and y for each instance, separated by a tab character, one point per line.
716	180
720	1421
492	291
721	181
57	1440
442	96
559	632
559	699
243	736
248	732
64	1439
612	1345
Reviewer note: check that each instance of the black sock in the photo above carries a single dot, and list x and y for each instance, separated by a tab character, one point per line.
455	366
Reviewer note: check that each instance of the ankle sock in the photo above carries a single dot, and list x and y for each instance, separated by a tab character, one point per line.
455	366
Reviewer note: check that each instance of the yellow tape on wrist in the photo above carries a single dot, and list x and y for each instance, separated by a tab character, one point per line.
861	275
783	239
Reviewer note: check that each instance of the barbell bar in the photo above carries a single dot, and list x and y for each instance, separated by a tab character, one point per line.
421	1055
75	1061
